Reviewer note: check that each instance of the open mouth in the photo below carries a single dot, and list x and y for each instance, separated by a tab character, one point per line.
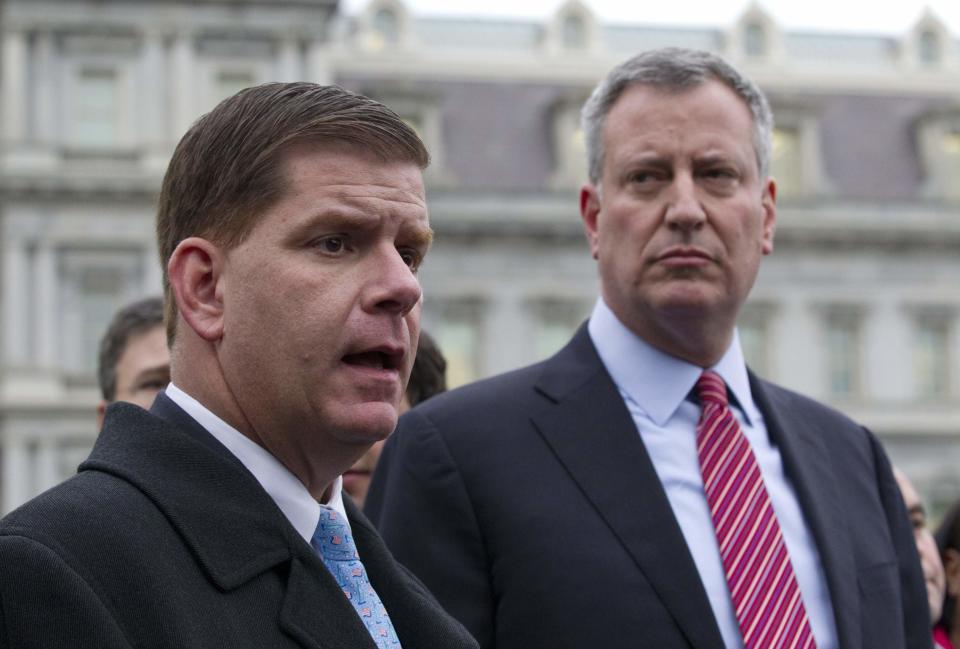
377	360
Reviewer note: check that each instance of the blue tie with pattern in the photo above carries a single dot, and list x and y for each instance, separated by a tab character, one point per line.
332	540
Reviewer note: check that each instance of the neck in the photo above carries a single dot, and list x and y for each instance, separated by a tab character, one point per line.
696	339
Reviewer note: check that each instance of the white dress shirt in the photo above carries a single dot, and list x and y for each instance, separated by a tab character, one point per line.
655	387
287	491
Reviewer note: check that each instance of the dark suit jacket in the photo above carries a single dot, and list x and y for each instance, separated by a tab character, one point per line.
165	540
549	527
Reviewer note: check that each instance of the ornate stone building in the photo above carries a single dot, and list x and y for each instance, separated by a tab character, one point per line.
858	305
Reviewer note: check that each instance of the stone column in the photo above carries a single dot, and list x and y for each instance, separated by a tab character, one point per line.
46	322
153	101
16	312
888	367
289	64
506	334
45	83
183	84
14	86
16	471
318	57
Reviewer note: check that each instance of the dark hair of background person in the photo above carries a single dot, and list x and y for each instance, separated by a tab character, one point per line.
227	169
429	374
131	320
948	538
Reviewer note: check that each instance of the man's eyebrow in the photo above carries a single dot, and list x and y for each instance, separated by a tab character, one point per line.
422	237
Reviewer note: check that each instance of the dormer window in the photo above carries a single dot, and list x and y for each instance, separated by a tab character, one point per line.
574	35
755	41
385	23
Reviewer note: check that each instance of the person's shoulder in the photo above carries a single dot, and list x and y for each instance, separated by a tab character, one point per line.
786	403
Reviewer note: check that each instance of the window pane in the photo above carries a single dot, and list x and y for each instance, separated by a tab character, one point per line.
753	341
843	356
458	336
787	166
932	356
755	40
230	82
96	108
574	33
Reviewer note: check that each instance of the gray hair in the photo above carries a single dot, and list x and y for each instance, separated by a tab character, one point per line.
673	68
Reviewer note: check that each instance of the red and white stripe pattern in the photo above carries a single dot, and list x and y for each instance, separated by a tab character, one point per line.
762	585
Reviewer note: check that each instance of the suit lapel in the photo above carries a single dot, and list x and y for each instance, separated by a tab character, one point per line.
594	436
808	463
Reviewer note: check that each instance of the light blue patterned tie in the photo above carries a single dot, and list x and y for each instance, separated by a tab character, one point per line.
332	540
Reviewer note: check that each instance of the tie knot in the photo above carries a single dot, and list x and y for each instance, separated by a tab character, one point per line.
332	537
711	389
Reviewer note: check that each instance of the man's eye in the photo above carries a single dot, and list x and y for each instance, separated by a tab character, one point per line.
411	258
332	244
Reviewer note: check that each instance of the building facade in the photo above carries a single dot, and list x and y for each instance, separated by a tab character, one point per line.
858	305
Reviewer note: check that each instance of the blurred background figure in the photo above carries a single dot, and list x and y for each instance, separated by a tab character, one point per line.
933	574
947	632
429	377
134	362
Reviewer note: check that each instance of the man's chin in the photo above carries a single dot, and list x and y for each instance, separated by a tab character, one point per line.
367	423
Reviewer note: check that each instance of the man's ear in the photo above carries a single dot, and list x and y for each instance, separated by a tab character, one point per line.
590	213
101	411
195	271
768	203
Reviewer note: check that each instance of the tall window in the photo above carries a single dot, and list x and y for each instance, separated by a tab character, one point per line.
787	162
230	82
754	340
755	41
386	24
96	110
93	284
458	335
556	320
574	33
928	45
843	354
933	356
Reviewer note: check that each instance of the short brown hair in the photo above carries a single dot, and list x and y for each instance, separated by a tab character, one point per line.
227	169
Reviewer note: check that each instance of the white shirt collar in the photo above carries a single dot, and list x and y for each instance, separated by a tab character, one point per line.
287	491
657	382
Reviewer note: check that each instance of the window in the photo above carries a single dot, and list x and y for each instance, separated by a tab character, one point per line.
385	24
574	33
230	82
755	40
928	46
93	285
938	136
556	320
843	354
569	144
458	335
96	108
787	162
754	341
932	354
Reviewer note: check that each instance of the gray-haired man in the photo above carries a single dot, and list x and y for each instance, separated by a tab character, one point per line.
642	488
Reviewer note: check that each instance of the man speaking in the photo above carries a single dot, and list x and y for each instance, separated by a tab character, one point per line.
291	225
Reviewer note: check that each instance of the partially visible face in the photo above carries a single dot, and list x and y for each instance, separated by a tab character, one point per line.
933	572
321	303
143	368
682	218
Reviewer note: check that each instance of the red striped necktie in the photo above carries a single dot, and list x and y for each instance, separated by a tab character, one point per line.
763	587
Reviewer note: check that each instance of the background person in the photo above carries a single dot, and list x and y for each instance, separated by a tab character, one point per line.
933	573
291	223
427	378
134	362
641	488
947	632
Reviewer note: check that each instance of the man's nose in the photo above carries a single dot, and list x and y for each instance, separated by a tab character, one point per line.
684	209
395	287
